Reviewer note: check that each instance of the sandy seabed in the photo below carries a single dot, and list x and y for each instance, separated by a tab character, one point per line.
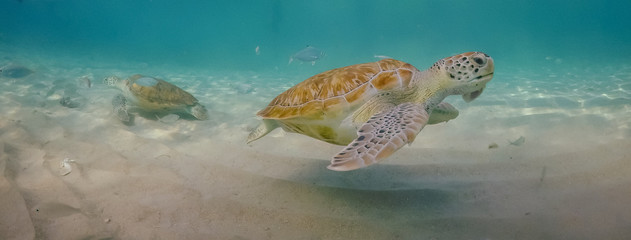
193	179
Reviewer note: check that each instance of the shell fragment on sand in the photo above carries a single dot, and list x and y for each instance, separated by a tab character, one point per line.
381	56
64	167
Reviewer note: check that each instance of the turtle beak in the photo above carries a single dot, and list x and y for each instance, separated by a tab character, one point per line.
468	97
482	80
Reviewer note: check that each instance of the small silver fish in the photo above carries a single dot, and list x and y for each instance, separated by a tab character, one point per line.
84	81
308	54
170	118
257	50
12	71
381	56
521	140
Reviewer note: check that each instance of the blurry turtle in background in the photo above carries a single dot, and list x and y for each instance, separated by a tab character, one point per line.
152	95
308	54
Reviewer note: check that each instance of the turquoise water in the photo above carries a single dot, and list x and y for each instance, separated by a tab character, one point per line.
562	81
223	35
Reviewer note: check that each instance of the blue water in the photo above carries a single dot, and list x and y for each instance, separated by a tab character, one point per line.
562	82
224	34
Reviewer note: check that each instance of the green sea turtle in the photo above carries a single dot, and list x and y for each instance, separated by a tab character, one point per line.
375	108
152	95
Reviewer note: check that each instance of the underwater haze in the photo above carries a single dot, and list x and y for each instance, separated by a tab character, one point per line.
224	34
542	153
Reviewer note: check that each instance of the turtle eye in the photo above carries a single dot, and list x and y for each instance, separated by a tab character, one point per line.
479	60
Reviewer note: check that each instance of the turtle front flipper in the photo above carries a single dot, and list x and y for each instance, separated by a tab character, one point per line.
443	112
383	134
119	103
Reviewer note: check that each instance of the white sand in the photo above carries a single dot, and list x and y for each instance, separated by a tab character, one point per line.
199	180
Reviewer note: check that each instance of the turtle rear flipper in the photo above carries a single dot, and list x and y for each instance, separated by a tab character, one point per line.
119	103
266	126
199	111
381	136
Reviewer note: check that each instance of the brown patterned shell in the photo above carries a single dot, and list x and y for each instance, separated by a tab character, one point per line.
162	94
335	90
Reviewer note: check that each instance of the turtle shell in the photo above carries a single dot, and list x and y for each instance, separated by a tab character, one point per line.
335	91
157	93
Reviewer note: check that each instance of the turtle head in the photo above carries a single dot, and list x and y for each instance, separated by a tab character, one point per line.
199	111
113	81
466	74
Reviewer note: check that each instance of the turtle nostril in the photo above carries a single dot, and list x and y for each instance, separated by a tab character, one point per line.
479	60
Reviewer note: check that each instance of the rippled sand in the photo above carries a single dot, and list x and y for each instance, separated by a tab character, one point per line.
199	180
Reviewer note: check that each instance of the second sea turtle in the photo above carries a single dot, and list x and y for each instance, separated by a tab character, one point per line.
152	95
